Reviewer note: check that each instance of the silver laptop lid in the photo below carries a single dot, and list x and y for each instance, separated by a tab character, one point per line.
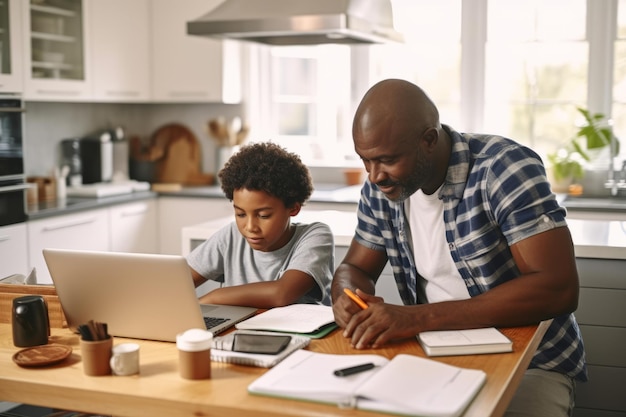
143	296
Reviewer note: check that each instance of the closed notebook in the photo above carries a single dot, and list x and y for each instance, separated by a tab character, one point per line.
310	320
253	359
464	342
407	385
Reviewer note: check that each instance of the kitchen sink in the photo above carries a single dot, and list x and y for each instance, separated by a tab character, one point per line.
595	203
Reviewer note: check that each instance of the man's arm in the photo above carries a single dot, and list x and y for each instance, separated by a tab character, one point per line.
359	269
546	288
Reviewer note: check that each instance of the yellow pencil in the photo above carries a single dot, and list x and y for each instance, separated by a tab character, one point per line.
355	298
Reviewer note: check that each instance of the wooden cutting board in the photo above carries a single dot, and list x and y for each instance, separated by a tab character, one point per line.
181	159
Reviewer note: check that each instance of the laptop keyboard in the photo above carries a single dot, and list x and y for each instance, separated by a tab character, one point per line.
211	322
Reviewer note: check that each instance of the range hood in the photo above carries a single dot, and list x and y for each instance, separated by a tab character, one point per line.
299	22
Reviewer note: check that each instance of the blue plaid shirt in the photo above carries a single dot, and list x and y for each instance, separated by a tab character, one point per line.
495	195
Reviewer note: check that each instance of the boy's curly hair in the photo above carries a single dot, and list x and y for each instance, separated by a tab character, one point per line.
267	167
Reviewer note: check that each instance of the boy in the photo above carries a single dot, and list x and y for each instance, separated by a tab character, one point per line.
262	259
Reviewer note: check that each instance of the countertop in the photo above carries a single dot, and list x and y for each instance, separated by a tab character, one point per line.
76	204
598	239
324	193
578	207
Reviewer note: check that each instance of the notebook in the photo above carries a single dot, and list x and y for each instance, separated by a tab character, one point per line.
141	296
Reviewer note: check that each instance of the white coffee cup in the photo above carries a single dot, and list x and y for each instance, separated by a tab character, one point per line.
125	359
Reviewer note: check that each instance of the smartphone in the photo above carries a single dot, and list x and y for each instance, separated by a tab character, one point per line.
260	343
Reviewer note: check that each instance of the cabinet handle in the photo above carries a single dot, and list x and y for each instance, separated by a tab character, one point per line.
59	92
183	94
4	238
17	187
137	212
123	93
69	224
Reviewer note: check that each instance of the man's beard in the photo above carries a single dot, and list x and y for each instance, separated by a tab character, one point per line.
419	176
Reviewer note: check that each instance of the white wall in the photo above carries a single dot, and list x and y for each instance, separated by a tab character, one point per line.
46	124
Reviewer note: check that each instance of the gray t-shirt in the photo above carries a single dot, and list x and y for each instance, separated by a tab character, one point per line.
228	258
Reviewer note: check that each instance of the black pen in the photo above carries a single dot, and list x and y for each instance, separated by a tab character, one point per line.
354	369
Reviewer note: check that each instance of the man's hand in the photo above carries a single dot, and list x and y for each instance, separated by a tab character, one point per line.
379	323
344	308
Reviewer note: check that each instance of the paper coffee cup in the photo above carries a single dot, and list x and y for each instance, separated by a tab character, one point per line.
194	353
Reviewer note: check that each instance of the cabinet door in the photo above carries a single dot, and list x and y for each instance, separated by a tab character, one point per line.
134	227
190	68
177	212
119	32
13	250
56	52
87	230
11	46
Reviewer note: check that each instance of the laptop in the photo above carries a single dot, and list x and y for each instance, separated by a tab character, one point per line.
141	296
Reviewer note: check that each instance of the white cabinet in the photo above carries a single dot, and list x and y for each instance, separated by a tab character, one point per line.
56	51
13	250
119	33
190	68
601	316
134	227
11	73
88	230
178	212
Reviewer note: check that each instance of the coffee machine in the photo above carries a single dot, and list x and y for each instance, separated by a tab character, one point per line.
96	154
104	156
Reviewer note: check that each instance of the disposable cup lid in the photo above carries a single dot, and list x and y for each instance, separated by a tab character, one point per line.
194	340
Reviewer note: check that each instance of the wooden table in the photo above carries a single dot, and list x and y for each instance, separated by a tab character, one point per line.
159	391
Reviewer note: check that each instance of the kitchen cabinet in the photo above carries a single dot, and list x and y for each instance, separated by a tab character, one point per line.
13	250
11	73
187	68
177	212
56	50
134	227
601	315
88	230
119	35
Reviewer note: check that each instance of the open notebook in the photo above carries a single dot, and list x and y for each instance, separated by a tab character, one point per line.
142	296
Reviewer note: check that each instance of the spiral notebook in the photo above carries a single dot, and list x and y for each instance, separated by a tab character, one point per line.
252	359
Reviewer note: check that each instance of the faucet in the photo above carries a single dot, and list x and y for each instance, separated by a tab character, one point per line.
616	184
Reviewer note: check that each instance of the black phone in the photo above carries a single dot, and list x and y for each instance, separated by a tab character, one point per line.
260	343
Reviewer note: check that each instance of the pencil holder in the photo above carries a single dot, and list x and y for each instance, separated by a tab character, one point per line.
96	356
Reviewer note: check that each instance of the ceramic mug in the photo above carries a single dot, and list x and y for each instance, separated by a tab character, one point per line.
125	359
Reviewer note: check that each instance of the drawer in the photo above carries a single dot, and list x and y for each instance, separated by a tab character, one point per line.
601	273
602	307
604	345
604	390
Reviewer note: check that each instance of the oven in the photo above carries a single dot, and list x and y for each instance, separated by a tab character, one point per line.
12	177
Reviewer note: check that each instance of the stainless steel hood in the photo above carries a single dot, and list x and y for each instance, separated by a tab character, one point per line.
299	22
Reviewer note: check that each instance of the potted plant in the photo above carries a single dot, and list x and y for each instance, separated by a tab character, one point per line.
568	162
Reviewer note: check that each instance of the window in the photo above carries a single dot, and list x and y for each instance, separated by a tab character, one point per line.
491	66
535	70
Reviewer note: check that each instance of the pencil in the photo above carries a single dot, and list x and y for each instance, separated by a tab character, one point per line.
355	298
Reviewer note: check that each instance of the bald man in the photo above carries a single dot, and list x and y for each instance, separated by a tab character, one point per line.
474	236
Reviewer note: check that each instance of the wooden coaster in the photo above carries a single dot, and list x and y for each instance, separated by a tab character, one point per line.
42	355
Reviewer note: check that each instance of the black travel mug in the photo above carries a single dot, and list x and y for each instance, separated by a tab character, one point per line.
31	325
